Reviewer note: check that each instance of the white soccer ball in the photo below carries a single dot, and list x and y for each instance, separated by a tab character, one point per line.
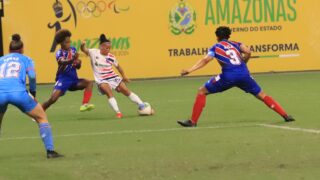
147	110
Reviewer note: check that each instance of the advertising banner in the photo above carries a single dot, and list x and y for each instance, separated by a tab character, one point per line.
159	38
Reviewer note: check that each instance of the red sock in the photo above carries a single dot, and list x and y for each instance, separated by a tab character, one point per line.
86	96
274	105
198	106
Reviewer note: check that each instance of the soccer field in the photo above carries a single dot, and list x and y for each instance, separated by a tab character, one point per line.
237	137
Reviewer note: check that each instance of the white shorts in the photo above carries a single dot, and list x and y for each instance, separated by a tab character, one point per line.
113	83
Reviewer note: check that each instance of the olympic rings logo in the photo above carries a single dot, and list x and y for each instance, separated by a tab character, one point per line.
91	8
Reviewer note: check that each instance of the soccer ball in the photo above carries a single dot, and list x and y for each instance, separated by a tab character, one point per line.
146	111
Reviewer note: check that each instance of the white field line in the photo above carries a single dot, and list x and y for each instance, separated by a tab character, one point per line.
129	132
313	131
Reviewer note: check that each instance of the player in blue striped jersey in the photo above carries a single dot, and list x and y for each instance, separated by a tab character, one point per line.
233	58
66	77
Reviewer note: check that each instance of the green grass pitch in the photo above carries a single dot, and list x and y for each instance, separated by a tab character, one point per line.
230	141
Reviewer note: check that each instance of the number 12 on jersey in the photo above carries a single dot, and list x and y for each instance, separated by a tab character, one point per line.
9	70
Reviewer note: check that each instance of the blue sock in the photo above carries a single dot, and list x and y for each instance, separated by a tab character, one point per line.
46	135
142	106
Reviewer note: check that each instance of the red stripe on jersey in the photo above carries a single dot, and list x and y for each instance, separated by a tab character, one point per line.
221	52
239	54
228	44
69	56
106	69
108	75
225	43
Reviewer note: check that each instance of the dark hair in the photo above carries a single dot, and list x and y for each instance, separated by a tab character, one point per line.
16	43
61	35
103	39
223	32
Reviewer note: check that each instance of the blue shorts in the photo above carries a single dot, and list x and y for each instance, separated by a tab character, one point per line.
223	82
66	84
20	99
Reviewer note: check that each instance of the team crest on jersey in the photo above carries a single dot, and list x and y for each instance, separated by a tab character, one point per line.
182	19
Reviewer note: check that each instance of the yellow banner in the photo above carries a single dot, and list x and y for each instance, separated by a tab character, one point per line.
159	38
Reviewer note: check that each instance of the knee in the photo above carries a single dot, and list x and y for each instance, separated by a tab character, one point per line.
39	115
109	95
127	93
42	119
202	91
90	84
261	95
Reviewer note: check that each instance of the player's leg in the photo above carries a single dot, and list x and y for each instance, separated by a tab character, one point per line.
274	105
199	104
38	114
249	85
1	117
3	108
197	109
131	95
214	85
32	108
106	89
53	98
87	86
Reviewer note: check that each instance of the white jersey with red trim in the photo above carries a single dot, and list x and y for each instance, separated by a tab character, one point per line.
102	65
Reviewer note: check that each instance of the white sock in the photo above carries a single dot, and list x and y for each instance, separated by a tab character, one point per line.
113	103
135	98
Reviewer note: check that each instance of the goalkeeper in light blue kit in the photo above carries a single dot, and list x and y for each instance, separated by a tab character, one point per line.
14	68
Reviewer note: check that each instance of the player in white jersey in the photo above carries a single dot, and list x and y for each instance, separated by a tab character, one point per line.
102	62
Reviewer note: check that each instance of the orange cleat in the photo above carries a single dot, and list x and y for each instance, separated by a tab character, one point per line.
119	115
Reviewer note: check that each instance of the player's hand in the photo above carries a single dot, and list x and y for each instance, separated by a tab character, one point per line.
184	72
83	43
126	80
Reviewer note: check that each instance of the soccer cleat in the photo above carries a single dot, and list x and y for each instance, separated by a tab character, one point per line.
53	154
142	106
288	118
86	107
187	123
119	115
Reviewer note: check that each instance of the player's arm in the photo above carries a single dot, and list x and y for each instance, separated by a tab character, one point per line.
121	71
63	60
200	64
76	56
32	78
84	49
246	53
